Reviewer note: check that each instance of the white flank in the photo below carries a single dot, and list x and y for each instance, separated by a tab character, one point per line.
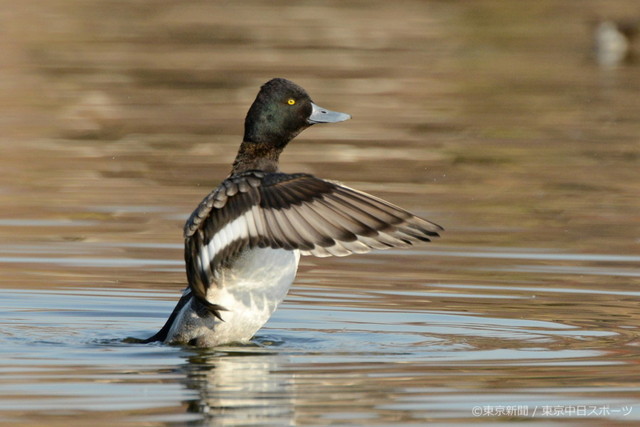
250	292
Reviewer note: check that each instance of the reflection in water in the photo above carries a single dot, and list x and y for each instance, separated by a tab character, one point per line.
240	387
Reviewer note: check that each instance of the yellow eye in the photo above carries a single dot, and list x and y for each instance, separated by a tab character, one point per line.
291	101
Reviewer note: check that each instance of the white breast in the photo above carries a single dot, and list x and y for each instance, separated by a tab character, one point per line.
250	291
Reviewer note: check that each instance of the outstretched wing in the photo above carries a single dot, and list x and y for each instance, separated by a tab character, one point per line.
291	211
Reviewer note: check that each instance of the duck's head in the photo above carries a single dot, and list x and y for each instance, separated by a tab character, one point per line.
281	111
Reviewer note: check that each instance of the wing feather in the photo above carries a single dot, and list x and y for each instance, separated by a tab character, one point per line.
310	230
293	212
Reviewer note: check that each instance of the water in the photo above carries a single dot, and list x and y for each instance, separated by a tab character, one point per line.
488	118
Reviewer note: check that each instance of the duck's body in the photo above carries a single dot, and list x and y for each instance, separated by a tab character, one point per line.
243	242
250	292
613	41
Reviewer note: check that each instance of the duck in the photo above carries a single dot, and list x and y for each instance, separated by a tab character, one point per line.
242	244
613	41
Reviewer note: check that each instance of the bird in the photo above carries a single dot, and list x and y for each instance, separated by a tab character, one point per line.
244	240
613	41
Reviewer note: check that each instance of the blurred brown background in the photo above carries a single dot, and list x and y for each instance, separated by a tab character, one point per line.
499	120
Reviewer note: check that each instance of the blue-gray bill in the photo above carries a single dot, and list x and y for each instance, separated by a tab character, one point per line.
322	115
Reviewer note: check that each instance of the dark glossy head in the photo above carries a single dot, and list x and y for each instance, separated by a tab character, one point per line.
281	111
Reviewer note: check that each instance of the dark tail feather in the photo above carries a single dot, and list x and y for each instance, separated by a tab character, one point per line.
162	333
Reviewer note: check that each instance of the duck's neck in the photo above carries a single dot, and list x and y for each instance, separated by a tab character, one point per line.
256	156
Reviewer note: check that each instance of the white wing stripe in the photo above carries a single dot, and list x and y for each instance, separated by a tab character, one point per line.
339	221
235	230
204	258
215	245
252	231
256	214
304	222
